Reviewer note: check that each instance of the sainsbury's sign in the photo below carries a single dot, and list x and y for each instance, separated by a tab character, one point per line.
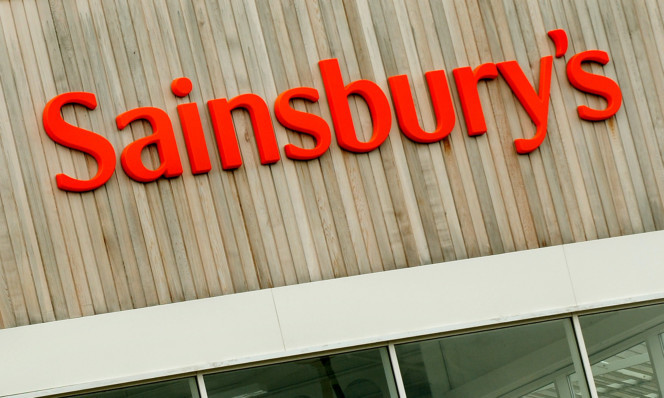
534	101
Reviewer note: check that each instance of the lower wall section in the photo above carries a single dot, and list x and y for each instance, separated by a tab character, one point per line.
211	333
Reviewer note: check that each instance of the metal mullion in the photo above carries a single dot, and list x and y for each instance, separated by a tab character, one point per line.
396	370
585	360
201	385
656	353
563	386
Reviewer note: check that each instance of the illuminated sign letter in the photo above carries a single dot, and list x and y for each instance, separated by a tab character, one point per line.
302	122
337	97
405	107
80	139
162	137
224	129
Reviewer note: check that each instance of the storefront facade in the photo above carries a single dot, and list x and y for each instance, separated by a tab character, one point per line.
198	187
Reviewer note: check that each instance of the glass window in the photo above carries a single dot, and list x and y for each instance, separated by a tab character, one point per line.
362	374
625	350
548	390
182	388
533	361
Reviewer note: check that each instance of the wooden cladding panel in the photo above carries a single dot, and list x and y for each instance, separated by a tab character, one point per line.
129	245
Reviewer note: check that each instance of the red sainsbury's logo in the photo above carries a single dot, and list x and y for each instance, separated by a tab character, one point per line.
535	102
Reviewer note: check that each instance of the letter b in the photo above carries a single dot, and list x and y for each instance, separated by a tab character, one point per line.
337	97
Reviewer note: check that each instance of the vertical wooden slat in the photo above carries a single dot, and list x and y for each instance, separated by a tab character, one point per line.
7	316
139	285
635	106
28	197
486	186
66	205
124	55
316	48
417	157
233	228
618	218
290	224
562	127
310	203
69	79
159	196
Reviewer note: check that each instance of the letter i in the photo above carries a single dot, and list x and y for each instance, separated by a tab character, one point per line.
192	128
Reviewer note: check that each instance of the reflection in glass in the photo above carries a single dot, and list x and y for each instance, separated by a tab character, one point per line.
363	374
182	388
547	391
578	386
533	361
625	350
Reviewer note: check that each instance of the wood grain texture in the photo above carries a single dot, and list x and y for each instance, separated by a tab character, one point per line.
130	245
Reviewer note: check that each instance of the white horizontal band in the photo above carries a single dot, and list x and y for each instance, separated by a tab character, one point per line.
211	333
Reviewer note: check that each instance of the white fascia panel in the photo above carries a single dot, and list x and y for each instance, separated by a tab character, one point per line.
434	298
624	269
123	346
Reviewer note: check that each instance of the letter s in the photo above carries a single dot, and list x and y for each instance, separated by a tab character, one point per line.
594	84
302	122
79	139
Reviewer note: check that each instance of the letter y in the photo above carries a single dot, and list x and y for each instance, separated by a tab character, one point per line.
536	104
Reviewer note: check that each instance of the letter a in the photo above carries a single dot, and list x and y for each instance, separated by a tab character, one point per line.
162	137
